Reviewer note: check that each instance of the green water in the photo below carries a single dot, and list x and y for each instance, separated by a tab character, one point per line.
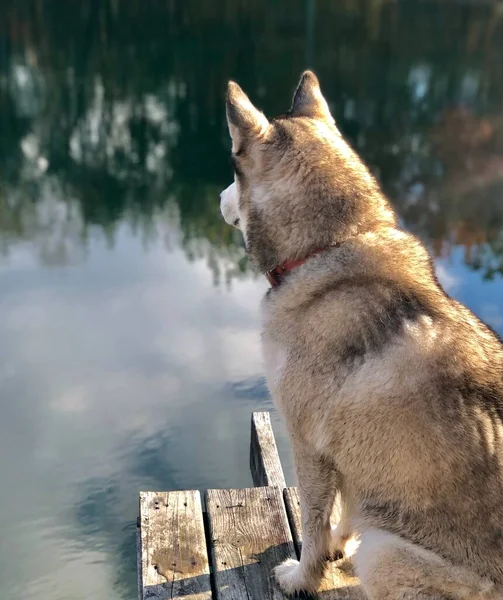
129	344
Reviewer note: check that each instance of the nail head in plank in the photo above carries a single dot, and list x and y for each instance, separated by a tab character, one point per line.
264	458
249	536
340	582
174	560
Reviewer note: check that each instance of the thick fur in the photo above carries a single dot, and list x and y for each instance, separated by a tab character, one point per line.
392	391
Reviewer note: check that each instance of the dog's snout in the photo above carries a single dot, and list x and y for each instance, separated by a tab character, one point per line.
229	206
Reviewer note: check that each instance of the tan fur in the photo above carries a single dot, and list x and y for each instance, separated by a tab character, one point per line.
392	392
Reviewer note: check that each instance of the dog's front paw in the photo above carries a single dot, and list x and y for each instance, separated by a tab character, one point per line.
344	544
292	579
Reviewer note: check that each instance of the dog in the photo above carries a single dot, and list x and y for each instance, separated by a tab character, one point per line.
392	391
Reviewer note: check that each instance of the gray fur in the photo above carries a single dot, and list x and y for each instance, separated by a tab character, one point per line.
392	391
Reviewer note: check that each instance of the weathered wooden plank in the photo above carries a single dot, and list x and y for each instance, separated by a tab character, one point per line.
174	560
339	582
138	559
249	536
264	458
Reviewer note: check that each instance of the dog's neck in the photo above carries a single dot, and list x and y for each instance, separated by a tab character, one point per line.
276	275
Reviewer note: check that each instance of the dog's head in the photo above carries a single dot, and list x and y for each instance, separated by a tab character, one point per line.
298	186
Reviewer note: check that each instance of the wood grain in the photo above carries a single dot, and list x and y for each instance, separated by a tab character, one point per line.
174	560
249	536
339	582
265	465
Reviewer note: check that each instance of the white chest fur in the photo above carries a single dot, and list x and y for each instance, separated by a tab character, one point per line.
274	357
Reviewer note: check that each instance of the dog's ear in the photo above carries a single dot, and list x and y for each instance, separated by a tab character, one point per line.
308	100
243	118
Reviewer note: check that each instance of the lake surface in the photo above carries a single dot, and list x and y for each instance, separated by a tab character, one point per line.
129	343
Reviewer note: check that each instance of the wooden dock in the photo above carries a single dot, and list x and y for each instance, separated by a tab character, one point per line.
226	549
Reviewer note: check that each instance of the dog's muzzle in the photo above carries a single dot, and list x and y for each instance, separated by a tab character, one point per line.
229	205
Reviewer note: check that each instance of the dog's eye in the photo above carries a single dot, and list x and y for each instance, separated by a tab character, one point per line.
236	223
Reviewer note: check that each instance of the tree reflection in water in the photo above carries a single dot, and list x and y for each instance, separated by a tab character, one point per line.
111	114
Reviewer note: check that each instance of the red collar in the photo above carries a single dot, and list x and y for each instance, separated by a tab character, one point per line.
275	277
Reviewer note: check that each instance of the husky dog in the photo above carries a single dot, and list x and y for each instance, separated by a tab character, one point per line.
392	391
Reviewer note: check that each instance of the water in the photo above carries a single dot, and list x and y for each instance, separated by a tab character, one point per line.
129	354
